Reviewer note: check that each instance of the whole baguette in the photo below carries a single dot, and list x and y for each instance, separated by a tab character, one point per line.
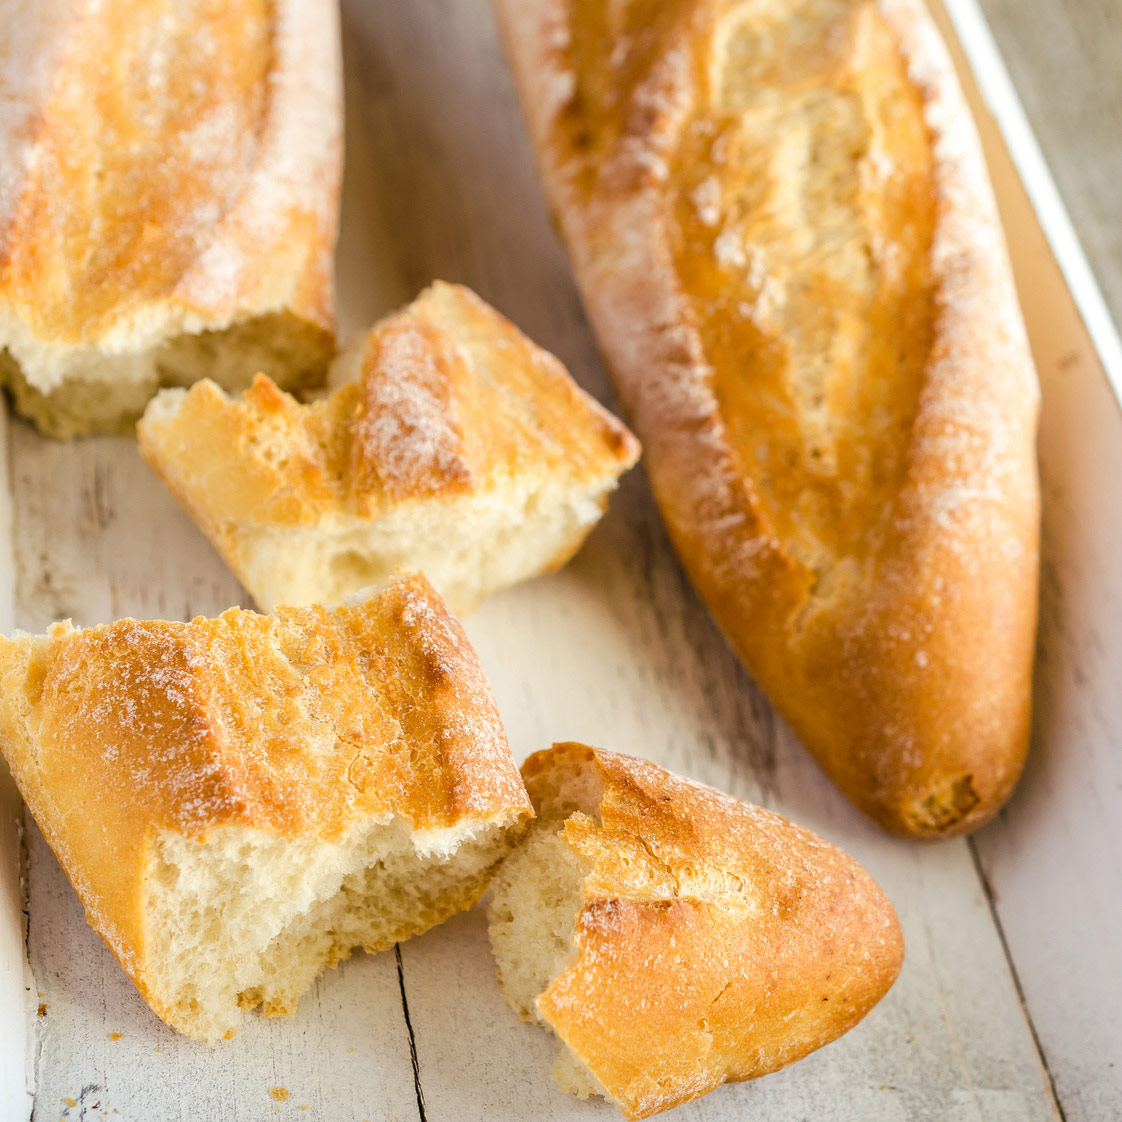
169	200
780	221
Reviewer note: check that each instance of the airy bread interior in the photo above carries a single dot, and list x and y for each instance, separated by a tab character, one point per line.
77	390
468	547
536	896
248	918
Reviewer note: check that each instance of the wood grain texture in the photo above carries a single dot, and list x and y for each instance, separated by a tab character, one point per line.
1063	57
615	650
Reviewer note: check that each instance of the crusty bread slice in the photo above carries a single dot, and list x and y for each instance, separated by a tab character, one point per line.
241	801
675	938
452	445
169	201
781	224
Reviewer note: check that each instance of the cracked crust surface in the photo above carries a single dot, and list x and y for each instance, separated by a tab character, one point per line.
780	220
716	941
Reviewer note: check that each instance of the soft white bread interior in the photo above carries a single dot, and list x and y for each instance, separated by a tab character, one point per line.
247	918
169	202
271	792
674	938
451	445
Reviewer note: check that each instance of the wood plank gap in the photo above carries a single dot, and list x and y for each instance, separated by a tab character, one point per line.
412	1038
991	903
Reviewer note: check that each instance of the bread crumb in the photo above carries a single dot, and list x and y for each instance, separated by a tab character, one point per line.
70	1102
115	1036
279	1093
43	1009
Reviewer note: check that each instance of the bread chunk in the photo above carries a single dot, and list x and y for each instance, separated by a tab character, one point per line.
781	224
242	801
169	202
674	938
450	445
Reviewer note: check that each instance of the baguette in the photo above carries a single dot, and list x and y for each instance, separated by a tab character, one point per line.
169	201
241	801
674	938
780	221
452	445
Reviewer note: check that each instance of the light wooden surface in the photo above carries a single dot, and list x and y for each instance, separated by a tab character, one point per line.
615	649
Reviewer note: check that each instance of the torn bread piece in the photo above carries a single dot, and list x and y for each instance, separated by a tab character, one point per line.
169	201
674	938
241	801
452	445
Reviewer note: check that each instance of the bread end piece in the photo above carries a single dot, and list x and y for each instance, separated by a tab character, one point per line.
450	444
161	222
674	938
272	791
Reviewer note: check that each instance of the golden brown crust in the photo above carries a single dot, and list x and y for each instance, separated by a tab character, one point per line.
301	724
170	175
787	244
717	941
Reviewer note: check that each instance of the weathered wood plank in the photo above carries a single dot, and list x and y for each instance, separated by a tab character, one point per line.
1053	861
345	1055
98	537
949	1042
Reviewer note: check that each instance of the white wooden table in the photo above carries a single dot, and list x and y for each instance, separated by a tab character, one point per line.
1009	1006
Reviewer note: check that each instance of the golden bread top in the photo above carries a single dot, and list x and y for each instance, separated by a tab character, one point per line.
716	942
300	723
445	398
784	233
157	154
